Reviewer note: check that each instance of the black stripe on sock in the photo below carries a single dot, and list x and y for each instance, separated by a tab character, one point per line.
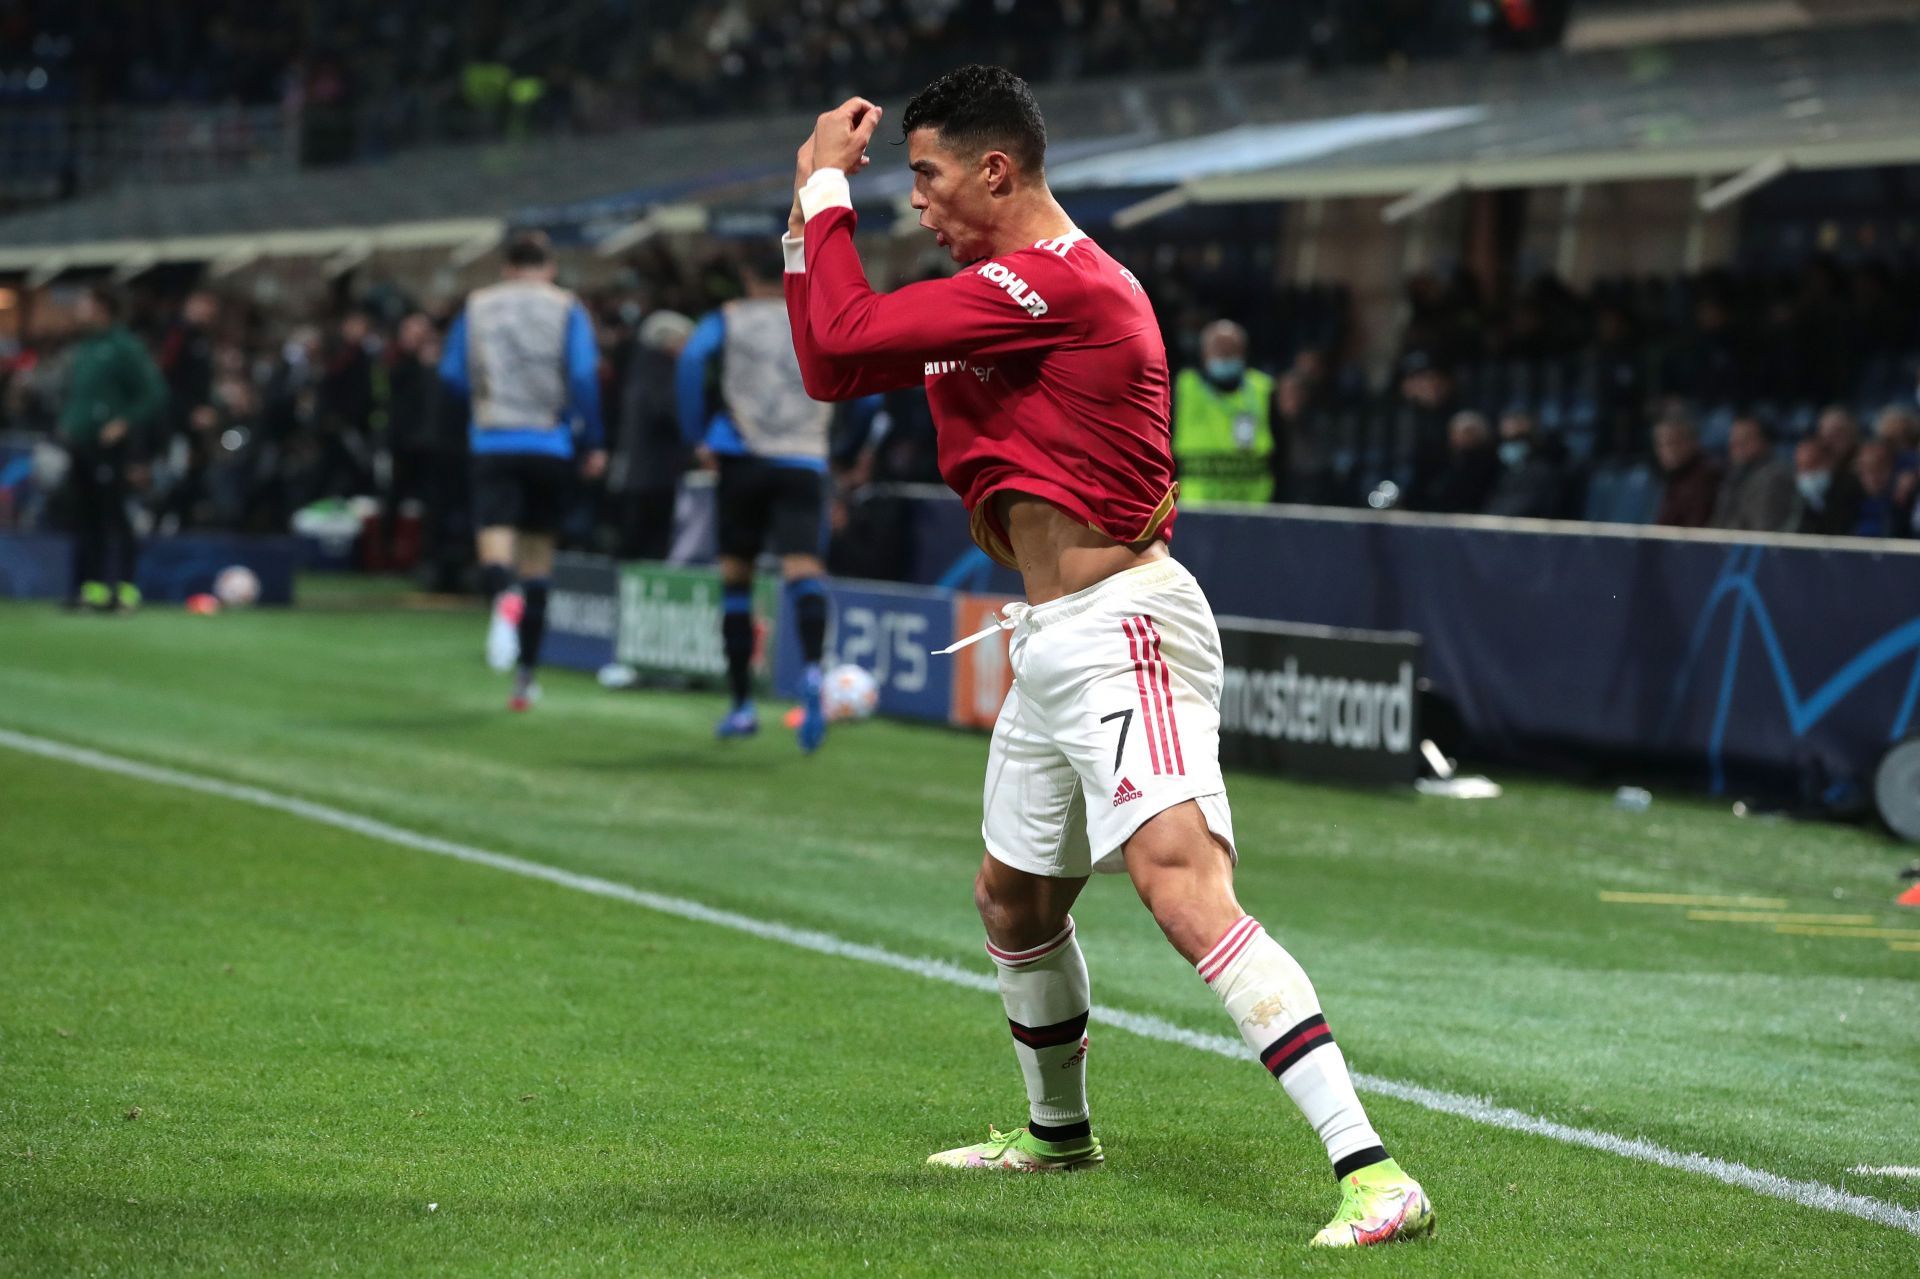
1061	1032
1061	1132
1359	1159
1284	1053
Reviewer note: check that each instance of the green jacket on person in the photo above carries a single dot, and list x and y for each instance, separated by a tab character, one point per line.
112	379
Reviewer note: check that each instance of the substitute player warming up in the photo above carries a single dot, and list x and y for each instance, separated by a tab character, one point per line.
524	351
768	443
1048	383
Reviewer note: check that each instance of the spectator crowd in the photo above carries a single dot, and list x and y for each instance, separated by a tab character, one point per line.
1741	400
1737	402
261	415
390	71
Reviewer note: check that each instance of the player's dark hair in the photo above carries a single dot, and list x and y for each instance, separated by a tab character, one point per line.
764	263
977	109
529	249
108	299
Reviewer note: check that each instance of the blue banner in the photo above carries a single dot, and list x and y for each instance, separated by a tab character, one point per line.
889	630
172	568
1781	670
583	612
36	565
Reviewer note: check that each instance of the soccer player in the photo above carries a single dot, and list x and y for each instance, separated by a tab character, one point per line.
1048	383
524	351
768	440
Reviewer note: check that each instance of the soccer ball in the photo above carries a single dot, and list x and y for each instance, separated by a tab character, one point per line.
849	692
237	586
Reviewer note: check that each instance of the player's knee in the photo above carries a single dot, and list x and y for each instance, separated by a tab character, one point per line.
1010	918
995	911
1175	860
1161	849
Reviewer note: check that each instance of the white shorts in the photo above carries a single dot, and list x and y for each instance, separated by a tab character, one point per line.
1114	717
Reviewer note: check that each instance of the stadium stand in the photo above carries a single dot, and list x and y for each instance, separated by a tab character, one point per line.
1603	115
194	163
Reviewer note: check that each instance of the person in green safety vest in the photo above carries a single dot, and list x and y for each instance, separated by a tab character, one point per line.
1223	423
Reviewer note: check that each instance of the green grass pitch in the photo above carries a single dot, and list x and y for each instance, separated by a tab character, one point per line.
235	1040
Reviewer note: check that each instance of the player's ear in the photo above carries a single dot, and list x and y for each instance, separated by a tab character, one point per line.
997	168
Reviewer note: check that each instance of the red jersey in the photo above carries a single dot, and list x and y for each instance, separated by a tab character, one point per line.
1044	370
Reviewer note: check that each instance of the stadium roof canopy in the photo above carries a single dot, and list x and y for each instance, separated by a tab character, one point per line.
1742	109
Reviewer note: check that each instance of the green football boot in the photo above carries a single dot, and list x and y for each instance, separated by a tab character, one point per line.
1021	1151
1378	1204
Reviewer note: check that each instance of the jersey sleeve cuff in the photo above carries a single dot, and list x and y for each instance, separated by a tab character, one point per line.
795	248
826	189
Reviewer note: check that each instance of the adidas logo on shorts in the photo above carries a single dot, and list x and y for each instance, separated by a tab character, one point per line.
1126	793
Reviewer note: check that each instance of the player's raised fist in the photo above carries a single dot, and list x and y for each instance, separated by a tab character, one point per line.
803	163
840	136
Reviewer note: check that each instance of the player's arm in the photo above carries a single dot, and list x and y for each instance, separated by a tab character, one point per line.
973	313
703	347
830	379
453	358
583	378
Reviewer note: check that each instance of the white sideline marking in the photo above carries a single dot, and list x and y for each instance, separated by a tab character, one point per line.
1892	1170
1811	1194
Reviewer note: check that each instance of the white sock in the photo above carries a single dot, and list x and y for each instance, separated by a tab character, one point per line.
1046	995
1270	999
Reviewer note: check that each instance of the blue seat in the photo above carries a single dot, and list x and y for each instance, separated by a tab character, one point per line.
1601	487
1580	443
1716	428
1637	496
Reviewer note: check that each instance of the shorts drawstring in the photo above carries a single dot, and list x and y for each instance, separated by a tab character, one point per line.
1010	617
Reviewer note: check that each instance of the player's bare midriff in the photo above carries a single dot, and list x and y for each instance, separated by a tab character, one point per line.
1057	554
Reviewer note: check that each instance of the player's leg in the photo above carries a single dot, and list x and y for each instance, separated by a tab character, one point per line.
497	509
547	488
1035	867
1043	983
806	590
742	500
493	547
797	532
736	640
1145	730
1184	873
533	559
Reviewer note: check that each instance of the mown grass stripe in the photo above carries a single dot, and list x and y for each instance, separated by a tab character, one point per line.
1835	930
1776	917
1693	899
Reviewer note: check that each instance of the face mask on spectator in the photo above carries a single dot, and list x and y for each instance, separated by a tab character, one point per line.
1225	372
1813	486
1514	452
